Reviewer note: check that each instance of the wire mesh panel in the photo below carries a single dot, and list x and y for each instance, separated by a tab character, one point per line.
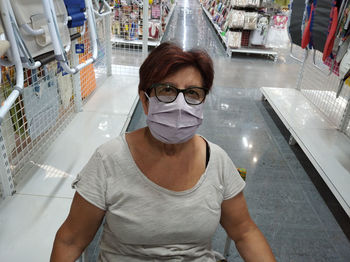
93	75
48	101
37	116
101	64
127	31
320	86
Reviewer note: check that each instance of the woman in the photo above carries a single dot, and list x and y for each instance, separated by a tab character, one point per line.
162	189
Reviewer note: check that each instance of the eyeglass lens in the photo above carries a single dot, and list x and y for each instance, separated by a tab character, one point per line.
167	94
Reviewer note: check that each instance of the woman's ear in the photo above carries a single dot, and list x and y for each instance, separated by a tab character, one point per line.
144	101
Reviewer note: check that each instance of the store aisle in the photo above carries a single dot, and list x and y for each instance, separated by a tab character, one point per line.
281	196
281	193
189	28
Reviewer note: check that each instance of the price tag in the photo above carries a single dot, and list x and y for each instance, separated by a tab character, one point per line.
79	48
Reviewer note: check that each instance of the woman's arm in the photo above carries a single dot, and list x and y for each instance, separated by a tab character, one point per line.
250	242
77	231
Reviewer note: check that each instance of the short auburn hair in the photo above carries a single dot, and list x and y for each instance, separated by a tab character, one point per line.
168	59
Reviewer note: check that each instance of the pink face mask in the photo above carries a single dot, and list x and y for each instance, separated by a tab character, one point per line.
173	123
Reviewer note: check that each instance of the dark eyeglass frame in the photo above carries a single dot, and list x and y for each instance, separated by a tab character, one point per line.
184	91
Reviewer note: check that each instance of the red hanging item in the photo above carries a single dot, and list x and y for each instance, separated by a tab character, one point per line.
307	30
328	47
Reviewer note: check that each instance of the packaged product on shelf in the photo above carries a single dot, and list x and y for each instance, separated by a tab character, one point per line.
155	11
65	87
234	39
259	35
154	29
277	36
253	3
239	3
245	38
237	19
250	20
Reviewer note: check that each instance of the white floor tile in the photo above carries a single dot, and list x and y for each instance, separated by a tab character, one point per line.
28	225
115	96
70	152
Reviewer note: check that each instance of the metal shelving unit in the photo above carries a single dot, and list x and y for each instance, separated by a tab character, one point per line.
151	43
230	51
327	148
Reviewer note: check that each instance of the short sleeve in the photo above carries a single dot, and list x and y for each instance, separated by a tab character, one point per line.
90	183
233	182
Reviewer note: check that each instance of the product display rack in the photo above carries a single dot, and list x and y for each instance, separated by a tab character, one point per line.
318	120
248	50
120	41
326	148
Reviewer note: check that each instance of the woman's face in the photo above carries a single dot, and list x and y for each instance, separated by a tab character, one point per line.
182	79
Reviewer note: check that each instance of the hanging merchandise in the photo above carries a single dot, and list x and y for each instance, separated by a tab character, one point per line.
41	105
234	39
7	126
237	19
155	11
128	24
344	65
16	112
239	3
65	87
31	14
87	74
116	28
344	72
282	3
4	44
75	9
307	34
259	35
277	36
338	34
333	23
250	20
154	29
87	77
342	39
253	3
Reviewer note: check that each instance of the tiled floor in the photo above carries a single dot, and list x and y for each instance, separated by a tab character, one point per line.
281	193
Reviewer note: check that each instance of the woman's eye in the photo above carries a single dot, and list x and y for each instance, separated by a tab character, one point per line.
192	93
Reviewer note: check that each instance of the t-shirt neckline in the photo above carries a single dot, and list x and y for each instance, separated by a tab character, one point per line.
163	189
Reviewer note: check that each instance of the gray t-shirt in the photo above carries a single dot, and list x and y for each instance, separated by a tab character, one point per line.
146	222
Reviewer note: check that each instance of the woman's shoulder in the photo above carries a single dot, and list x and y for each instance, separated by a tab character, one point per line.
215	148
114	146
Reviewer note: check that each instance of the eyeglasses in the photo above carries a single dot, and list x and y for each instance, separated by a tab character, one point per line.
168	93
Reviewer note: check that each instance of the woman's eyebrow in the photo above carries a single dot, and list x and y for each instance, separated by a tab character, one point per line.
169	83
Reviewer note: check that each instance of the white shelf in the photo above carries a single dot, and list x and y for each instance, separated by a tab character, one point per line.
254	51
263	51
119	40
327	148
150	42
